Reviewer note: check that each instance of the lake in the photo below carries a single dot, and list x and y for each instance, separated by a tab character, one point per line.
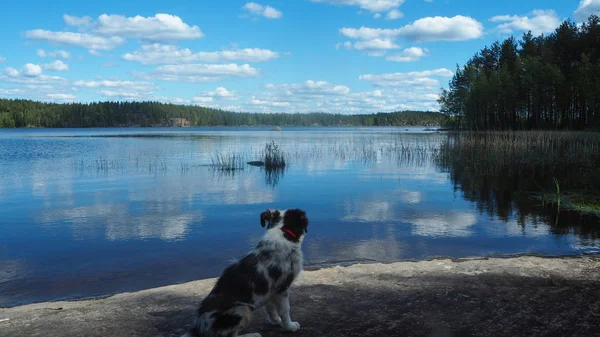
91	212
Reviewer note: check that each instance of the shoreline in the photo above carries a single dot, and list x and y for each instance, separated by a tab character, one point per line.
507	296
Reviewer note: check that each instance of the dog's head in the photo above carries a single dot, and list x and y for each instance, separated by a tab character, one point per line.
292	219
270	218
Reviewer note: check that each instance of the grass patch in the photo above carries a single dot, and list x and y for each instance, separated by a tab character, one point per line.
495	169
227	162
274	157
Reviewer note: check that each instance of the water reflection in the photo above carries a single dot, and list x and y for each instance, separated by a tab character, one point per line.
514	179
138	211
443	224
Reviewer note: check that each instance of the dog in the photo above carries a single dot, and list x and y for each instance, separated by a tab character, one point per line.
261	279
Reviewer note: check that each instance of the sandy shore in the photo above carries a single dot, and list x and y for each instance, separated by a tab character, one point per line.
524	296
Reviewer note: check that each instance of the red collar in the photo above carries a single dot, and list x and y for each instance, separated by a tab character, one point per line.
292	234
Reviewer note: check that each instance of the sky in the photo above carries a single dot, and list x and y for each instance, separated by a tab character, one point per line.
336	56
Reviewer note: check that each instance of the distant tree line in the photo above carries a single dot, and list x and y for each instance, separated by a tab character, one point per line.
26	113
543	82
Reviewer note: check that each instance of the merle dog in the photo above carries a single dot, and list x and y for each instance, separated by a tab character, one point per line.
261	279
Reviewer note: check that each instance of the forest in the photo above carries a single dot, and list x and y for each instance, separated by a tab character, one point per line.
26	113
547	82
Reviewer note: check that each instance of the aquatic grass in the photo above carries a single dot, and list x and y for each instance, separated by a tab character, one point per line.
547	164
228	162
273	156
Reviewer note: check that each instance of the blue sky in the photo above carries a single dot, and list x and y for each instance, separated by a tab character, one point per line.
342	56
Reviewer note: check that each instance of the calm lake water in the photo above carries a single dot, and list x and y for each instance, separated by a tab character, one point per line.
92	212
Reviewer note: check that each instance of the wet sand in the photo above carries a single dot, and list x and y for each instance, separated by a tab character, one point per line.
520	296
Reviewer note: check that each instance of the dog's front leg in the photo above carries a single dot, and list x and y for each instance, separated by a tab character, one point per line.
272	311
287	323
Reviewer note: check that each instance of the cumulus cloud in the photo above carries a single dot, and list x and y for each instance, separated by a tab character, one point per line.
394	14
110	31
202	99
422	78
411	54
160	27
31	69
75	39
30	74
310	88
116	84
120	89
541	21
84	21
375	6
259	10
587	8
366	33
267	103
162	54
218	93
57	65
54	54
438	28
61	97
375	44
11	72
199	72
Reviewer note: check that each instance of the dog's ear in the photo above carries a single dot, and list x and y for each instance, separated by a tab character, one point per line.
265	217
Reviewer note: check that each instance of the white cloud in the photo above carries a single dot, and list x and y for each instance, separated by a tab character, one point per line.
365	33
61	97
440	28
54	54
2	59
219	93
94	52
587	8
422	78
408	55
266	103
170	54
260	10
31	74
11	72
310	88
541	21
120	89
172	100
31	69
57	65
160	27
116	84
394	14
75	39
374	6
199	72
428	29
202	99
375	44
84	21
